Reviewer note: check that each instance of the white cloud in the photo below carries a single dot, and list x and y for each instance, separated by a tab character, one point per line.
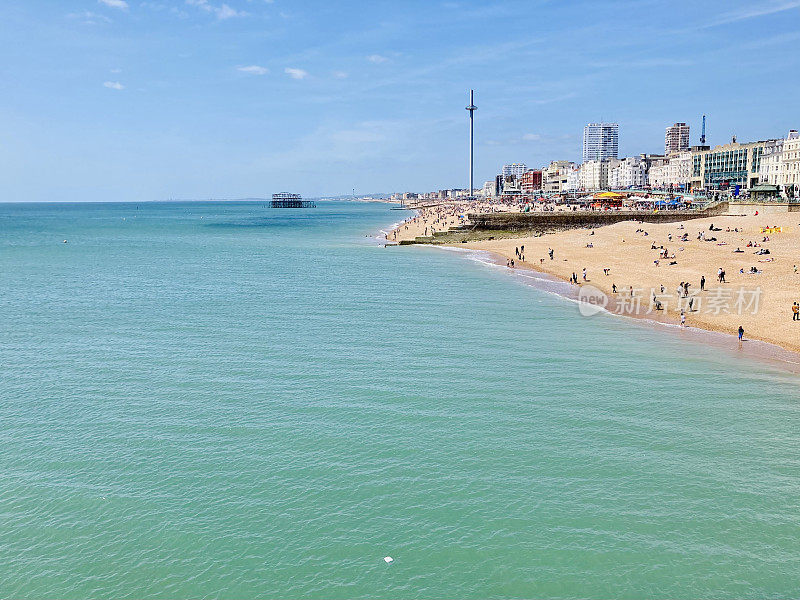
116	70
253	70
89	18
296	73
339	74
226	12
377	59
121	4
531	137
114	85
751	12
222	12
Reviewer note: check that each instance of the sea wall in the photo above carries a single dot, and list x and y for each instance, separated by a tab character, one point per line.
763	208
542	222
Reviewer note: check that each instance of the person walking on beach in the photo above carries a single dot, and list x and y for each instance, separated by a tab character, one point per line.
741	333
702	283
683	318
550	252
584	274
795	312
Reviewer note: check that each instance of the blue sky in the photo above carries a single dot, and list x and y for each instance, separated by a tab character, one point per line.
147	100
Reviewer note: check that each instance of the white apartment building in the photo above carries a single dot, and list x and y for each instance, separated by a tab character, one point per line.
780	165
573	181
487	191
658	176
791	165
600	141
515	170
629	172
771	170
594	174
679	169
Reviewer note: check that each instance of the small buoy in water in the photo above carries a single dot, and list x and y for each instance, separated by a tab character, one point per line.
65	241
388	560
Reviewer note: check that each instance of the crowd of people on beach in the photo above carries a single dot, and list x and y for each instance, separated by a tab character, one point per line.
669	251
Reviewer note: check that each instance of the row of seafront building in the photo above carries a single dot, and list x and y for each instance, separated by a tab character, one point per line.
767	169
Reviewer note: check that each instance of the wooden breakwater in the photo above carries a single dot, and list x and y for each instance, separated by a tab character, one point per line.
485	226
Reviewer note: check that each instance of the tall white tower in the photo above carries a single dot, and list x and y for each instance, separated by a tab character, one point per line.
600	141
471	108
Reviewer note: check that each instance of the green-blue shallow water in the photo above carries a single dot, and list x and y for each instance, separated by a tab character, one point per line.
222	400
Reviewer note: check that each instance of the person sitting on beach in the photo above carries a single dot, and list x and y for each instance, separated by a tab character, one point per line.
738	250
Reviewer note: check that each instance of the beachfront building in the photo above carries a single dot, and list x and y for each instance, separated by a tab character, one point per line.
600	141
487	191
629	172
594	174
679	169
780	167
573	180
771	171
734	166
514	170
676	138
530	181
554	176
672	172
791	165
658	176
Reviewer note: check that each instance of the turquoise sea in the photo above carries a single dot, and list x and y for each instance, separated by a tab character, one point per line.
219	400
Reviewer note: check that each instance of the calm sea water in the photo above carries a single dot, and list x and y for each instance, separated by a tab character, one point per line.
222	400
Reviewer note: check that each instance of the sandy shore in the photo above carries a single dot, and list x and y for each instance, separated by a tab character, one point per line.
759	302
